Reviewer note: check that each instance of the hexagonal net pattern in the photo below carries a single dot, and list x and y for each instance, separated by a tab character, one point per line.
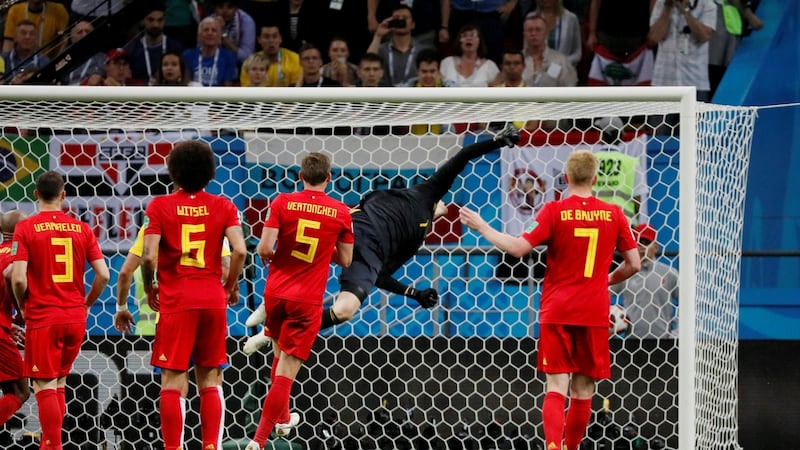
463	373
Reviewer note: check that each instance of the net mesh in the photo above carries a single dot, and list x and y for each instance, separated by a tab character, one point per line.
460	375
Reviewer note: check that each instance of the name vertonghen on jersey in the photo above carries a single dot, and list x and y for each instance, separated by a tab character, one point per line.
312	208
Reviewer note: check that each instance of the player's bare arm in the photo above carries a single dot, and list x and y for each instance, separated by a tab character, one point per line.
19	283
123	319
515	246
238	254
99	282
149	261
10	288
631	263
343	254
266	246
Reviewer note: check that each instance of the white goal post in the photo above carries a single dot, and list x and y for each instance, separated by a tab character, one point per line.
704	165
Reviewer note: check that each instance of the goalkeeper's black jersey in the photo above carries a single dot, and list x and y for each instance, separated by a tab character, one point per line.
394	223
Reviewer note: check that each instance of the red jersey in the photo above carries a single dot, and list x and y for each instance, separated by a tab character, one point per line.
192	228
7	304
309	224
581	234
57	248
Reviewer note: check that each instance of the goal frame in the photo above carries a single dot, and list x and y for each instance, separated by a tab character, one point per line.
688	111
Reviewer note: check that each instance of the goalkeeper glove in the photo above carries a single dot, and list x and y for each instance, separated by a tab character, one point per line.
427	298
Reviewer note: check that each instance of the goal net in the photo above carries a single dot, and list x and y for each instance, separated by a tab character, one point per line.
459	375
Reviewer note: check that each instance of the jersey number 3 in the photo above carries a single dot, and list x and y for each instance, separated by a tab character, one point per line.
64	257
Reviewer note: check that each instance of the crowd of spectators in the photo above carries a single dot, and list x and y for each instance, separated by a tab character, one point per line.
304	43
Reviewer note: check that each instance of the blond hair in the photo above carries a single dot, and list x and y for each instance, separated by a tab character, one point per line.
581	167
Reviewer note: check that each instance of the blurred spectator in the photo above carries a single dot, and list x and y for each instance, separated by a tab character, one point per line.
181	21
262	11
511	70
256	66
146	51
284	64
117	71
682	29
173	70
49	18
489	16
94	65
400	50
370	71
311	61
23	57
620	26
618	36
650	295
565	30
238	28
544	67
431	19
724	42
209	63
469	67
339	68
428	75
89	9
297	24
621	178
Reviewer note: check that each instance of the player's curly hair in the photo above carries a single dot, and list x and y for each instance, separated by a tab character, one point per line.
49	185
315	168
191	165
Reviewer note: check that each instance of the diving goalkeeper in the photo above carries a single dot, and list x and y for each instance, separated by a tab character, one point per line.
389	227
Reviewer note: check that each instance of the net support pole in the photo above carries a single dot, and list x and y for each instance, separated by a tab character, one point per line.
687	277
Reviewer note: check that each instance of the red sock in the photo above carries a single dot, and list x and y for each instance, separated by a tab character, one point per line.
62	400
285	416
578	415
553	419
275	404
212	416
172	417
50	418
9	404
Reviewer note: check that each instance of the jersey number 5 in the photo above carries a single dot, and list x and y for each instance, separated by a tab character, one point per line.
591	249
64	257
302	238
190	247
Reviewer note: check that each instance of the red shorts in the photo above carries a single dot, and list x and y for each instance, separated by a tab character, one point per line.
293	325
574	349
196	334
51	350
10	360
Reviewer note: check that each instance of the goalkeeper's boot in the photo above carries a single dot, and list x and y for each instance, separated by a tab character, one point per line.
284	429
509	136
256	317
255	342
